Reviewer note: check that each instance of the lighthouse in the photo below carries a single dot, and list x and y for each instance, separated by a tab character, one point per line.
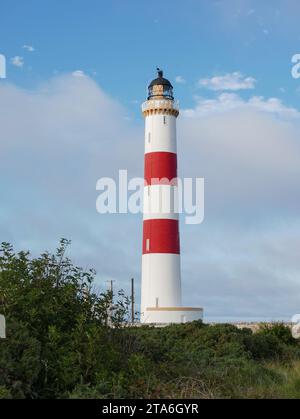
161	300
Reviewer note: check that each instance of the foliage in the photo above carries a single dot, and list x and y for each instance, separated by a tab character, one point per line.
280	331
56	325
64	340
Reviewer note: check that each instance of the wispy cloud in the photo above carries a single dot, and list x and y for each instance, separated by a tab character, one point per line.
78	73
230	81
17	61
180	80
29	48
227	102
250	12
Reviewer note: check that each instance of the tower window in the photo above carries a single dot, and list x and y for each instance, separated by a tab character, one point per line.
149	137
148	245
165	120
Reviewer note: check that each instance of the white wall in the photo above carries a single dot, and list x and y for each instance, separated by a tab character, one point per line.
161	279
167	317
162	136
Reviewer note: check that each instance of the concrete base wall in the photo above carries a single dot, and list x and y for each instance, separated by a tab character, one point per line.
161	282
171	315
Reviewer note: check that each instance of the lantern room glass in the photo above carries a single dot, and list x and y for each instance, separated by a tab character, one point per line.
166	92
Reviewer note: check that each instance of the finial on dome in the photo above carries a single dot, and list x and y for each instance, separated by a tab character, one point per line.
160	73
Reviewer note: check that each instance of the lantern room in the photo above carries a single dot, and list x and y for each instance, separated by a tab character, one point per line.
160	88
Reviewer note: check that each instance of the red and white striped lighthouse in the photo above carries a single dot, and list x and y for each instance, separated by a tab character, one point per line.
161	278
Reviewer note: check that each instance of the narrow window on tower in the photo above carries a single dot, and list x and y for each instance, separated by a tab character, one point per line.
149	137
148	245
165	120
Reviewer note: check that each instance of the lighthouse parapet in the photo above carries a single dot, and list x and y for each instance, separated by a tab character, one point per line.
160	106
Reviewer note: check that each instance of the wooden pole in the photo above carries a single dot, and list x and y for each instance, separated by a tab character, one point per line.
132	300
109	315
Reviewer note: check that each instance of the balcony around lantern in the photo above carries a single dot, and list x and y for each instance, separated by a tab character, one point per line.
160	104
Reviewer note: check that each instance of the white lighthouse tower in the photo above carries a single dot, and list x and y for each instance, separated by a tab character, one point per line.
161	278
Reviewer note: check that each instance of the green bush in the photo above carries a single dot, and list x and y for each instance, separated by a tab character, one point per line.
282	332
264	347
5	393
59	344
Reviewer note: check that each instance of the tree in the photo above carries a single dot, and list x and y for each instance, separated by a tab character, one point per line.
56	323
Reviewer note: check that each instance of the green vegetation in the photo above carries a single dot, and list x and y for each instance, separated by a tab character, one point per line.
59	344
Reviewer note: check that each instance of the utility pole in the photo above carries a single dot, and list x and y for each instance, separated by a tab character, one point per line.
110	308
2	318
132	300
111	282
112	287
2	327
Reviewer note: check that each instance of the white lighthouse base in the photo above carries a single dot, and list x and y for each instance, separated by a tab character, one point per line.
171	315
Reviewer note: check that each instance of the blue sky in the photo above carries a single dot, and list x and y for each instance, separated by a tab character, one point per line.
77	73
120	43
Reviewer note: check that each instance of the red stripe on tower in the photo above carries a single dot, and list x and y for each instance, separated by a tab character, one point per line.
161	236
160	165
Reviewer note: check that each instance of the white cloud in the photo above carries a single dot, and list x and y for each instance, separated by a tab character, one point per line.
231	81
244	252
180	80
78	73
250	159
64	136
29	48
17	61
226	102
250	12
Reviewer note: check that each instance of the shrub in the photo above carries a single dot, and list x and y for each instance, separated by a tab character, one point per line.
280	331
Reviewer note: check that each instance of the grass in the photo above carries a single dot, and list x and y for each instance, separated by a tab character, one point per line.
289	385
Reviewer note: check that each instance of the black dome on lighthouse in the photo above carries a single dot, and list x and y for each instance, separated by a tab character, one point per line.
160	88
160	80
